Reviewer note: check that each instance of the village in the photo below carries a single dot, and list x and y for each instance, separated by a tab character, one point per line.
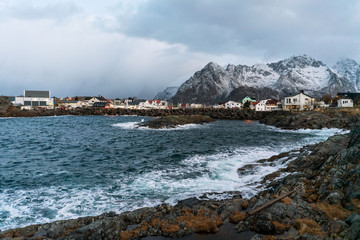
33	99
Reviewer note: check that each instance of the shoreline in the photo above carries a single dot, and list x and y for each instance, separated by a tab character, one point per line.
343	118
300	214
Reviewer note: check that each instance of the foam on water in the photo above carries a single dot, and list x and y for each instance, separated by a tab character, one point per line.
127	125
191	177
135	125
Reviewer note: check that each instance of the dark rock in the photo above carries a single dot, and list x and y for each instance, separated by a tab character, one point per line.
190	202
5	106
173	121
355	217
354	232
265	227
335	197
336	227
354	136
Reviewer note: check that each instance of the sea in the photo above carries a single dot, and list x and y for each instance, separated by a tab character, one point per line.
64	167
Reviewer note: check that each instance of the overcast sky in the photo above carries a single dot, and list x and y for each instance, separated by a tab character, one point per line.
121	48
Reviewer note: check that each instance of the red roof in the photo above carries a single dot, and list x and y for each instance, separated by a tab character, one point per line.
150	101
254	103
158	101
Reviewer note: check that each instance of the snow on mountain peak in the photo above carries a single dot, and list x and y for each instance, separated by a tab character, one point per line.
349	69
216	83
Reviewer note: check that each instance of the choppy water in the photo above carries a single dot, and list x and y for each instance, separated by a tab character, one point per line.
65	167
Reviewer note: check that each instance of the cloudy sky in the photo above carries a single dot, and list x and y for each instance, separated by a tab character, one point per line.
121	48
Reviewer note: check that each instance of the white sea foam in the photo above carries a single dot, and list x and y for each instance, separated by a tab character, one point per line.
135	125
193	177
179	127
127	125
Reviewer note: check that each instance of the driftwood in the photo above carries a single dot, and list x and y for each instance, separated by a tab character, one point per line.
270	203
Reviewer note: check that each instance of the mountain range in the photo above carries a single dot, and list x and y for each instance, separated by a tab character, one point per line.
214	83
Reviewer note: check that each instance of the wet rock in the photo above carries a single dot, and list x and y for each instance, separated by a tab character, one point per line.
173	121
190	202
242	226
336	227
355	217
335	197
265	227
354	232
257	237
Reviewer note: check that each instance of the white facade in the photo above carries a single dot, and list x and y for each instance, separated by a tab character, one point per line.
320	104
71	104
345	103
91	101
232	104
32	101
155	104
195	105
266	105
299	102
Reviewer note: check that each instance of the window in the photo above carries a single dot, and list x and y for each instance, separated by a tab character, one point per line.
35	103
42	103
27	103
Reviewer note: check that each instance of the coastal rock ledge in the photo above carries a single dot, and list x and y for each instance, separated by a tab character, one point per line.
173	121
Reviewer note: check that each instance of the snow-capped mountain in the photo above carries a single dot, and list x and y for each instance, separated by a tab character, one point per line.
214	83
349	69
168	93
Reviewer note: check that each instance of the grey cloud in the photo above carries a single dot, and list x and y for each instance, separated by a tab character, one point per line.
274	28
56	10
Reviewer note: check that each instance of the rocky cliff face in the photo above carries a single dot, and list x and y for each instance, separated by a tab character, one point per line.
214	83
349	69
5	105
168	93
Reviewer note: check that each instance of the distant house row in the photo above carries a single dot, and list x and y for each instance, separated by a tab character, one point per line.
298	102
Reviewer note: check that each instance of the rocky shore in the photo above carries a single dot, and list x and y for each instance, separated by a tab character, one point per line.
173	121
345	118
232	114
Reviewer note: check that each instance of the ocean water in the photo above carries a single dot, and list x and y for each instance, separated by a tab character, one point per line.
54	168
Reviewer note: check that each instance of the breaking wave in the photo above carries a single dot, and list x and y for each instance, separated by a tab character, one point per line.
86	166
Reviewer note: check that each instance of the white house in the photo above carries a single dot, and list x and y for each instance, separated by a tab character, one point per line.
345	102
232	104
35	99
320	104
71	104
89	101
156	104
196	105
298	102
266	105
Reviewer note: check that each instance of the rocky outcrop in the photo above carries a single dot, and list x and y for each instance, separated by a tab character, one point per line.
326	202
174	121
234	114
5	105
328	118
